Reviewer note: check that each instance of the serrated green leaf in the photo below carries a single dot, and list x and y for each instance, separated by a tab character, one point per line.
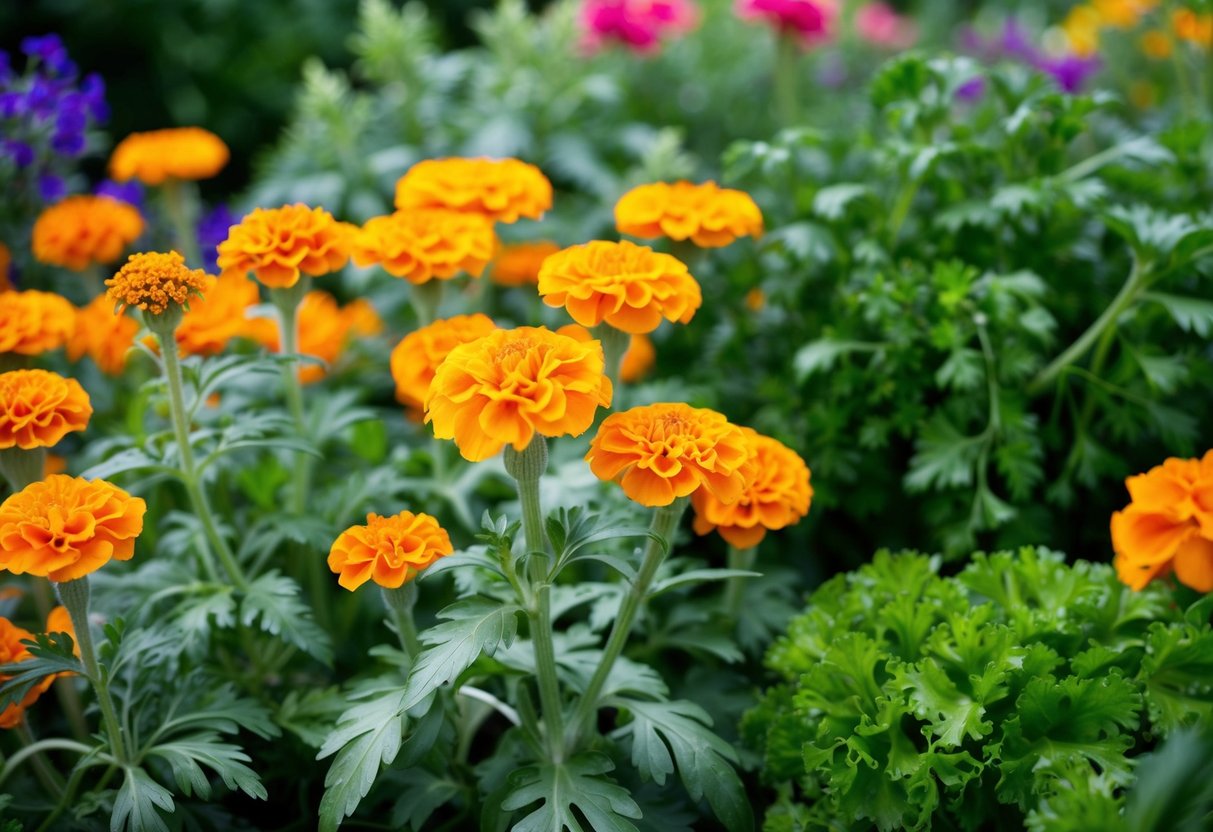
566	790
187	755
470	628
272	602
138	803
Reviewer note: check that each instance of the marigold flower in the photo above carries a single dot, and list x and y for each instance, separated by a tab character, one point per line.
420	245
707	215
628	286
38	408
388	550
513	383
500	189
175	153
102	336
518	264
154	282
1081	28
660	452
1122	14
12	651
417	356
279	244
217	317
64	527
1193	27
34	322
1168	525
777	494
637	360
81	231
811	21
1157	45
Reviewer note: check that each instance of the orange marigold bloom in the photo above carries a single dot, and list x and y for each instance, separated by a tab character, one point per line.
630	287
279	244
64	527
707	215
325	329
33	322
777	494
102	336
1193	27
417	356
513	383
1168	525
660	452
1157	44
153	282
38	408
59	620
81	231
637	360
12	651
420	245
518	264
175	153
217	317
388	550
500	189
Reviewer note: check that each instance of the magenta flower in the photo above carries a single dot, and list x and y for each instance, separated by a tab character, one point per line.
880	24
811	21
640	25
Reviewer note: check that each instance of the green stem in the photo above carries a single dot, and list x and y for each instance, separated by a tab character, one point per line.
738	559
35	749
75	596
787	60
901	210
400	603
22	467
615	344
665	521
426	299
287	301
181	203
47	776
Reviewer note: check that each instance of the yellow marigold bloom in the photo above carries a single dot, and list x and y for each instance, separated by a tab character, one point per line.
388	550
637	360
325	330
1081	28
217	317
518	264
279	244
777	494
1157	44
1122	14
660	452
1168	526
82	231
155	281
1193	27
175	153
420	245
55	464
102	336
64	527
707	215
628	286
513	383
33	322
6	266
38	408
417	356
500	189
12	651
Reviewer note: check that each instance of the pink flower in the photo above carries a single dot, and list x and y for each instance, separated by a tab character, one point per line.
640	25
810	20
878	23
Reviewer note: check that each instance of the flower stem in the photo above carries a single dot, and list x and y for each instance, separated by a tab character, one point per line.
400	603
287	302
75	596
47	776
738	559
426	298
614	345
181	203
22	467
787	57
526	468
665	521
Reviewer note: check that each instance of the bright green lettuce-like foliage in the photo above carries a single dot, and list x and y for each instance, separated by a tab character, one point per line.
1017	692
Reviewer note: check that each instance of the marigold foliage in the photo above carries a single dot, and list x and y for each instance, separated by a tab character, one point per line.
83	231
102	336
38	408
501	190
33	322
418	355
278	245
388	550
706	214
11	651
426	244
174	153
155	282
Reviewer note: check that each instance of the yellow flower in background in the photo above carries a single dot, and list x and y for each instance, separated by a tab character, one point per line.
417	357
279	245
706	214
83	231
1157	44
502	190
388	550
1081	28
424	244
155	282
173	153
1193	27
102	336
1122	14
33	322
517	264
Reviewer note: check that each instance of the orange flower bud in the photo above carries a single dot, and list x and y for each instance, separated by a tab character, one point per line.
155	282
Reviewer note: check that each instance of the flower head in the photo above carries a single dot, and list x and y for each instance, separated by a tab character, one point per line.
420	245
33	322
1168	526
175	153
660	452
279	244
513	383
388	550
155	282
417	356
38	408
102	336
12	651
707	215
637	360
82	231
628	286
777	494
518	264
64	527
640	25
880	24
500	189
811	21
217	317
1193	27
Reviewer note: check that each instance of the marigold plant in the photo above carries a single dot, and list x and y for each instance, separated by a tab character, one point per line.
513	383
64	528
421	245
1168	526
416	358
102	336
173	153
500	189
517	264
777	494
217	317
630	287
12	651
33	322
83	231
278	245
660	452
706	214
388	550
155	282
326	329
38	408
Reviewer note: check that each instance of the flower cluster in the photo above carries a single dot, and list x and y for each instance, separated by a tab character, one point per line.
425	244
707	215
640	25
1070	68
83	231
388	550
38	408
155	282
811	22
102	336
34	322
279	245
176	153
500	189
418	355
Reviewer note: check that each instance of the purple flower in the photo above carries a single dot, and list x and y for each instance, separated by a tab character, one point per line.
51	187
12	104
971	90
212	230
1014	41
20	152
42	98
93	90
67	142
1070	71
6	67
49	50
129	192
